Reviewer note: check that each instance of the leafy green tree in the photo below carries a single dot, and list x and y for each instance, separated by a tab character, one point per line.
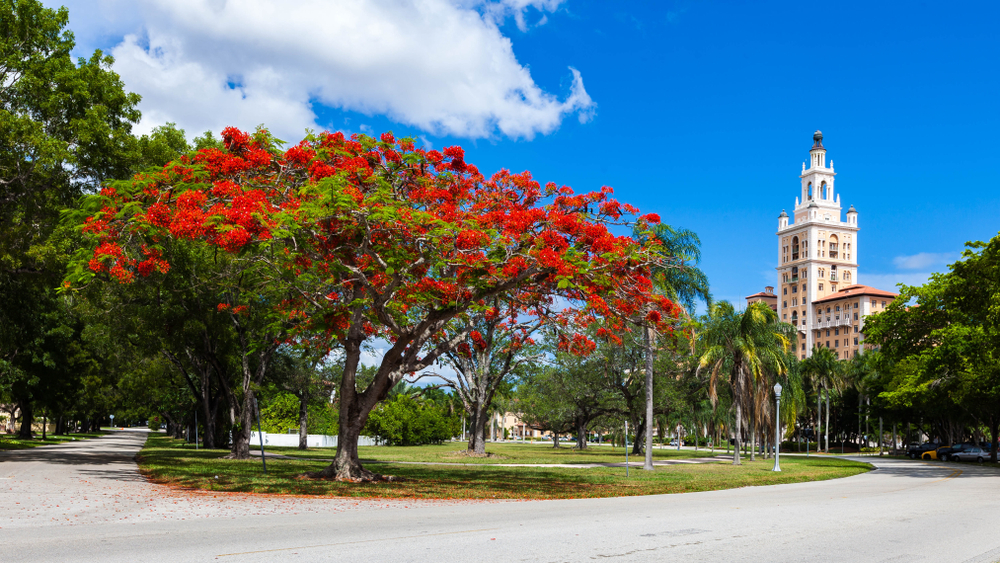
497	347
567	396
945	338
65	127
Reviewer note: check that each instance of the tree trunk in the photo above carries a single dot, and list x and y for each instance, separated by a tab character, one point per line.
581	433
826	427
346	465
555	439
168	424
819	416
27	418
637	443
648	463
477	427
240	448
736	434
45	424
994	432
753	434
303	419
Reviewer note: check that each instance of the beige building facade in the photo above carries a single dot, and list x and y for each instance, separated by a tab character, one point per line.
818	248
767	296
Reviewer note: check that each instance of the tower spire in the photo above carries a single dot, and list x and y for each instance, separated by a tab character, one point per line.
818	152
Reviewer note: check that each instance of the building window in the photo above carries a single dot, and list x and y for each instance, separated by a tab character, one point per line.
855	315
821	287
828	342
836	344
836	331
784	291
803	288
785	317
855	340
856	329
883	304
828	332
784	304
795	289
803	346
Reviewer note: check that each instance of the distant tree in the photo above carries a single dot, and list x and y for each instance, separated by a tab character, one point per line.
497	344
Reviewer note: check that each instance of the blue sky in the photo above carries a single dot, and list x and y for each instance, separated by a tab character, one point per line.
700	111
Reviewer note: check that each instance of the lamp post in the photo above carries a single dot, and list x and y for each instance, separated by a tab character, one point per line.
777	426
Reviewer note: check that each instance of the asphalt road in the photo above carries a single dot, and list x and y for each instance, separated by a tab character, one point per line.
84	501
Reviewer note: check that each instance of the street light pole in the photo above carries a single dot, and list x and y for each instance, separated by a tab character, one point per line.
777	426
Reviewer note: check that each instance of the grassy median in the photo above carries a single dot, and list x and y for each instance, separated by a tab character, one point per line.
168	461
9	442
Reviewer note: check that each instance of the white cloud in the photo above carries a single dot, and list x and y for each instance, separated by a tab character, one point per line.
438	65
923	260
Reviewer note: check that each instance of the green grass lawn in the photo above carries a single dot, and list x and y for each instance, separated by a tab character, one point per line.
172	462
510	452
9	442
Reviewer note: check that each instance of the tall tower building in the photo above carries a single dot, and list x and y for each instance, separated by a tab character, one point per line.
817	252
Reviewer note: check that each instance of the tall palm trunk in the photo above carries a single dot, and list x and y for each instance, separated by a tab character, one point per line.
826	429
736	434
819	415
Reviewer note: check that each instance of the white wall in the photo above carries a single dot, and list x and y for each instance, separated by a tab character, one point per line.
312	440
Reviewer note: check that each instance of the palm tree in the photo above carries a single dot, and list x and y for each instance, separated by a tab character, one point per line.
824	368
743	347
679	279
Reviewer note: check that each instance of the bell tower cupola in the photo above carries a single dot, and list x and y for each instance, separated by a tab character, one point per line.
818	153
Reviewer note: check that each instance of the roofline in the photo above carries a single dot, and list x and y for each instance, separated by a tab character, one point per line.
856	293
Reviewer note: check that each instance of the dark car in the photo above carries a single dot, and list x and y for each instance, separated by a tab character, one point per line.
915	450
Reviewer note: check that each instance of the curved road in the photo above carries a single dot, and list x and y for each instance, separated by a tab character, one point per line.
84	501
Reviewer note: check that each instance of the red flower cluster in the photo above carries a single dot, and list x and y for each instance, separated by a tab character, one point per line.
377	222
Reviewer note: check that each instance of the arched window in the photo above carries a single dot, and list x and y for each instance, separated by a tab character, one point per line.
823	190
833	273
810	190
795	249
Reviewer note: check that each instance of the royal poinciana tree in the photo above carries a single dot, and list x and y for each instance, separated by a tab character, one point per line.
367	239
